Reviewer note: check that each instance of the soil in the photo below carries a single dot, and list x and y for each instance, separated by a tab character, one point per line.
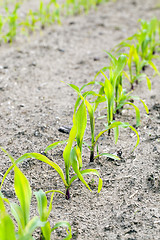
34	104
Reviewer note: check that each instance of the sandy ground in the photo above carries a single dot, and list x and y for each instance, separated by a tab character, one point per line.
34	103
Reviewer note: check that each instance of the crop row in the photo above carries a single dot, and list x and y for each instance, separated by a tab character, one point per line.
48	13
128	64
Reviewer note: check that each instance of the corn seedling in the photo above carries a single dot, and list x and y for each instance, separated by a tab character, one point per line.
46	14
21	213
113	125
110	89
44	213
71	155
91	111
127	99
112	92
12	24
56	12
1	27
142	47
136	76
29	24
147	38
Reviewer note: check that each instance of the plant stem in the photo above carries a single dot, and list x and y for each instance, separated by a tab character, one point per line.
109	132
92	155
132	87
67	194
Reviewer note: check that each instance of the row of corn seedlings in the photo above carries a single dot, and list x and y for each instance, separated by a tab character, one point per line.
47	14
109	91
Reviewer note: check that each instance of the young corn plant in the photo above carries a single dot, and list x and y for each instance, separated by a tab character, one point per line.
91	110
110	89
121	99
47	15
44	14
145	40
2	21
12	24
148	38
142	47
44	213
56	12
21	212
128	99
135	73
29	23
136	76
72	155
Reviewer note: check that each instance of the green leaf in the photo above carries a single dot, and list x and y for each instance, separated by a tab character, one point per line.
17	213
119	66
145	106
43	212
134	130
127	76
109	92
54	191
87	84
91	117
112	156
116	124
113	59
102	70
137	113
67	150
23	192
100	184
66	225
81	119
10	157
41	158
116	134
7	231
148	83
53	145
46	231
34	223
86	172
42	205
75	166
75	88
154	67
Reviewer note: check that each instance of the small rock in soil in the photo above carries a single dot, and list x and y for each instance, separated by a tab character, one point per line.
96	59
64	129
37	134
60	50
